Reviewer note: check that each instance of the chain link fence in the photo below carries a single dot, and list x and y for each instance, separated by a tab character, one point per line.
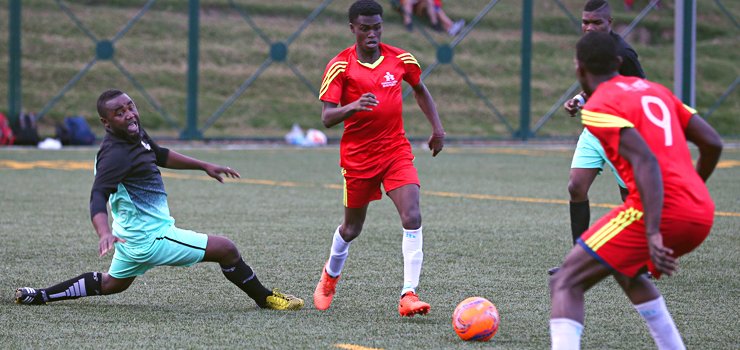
254	67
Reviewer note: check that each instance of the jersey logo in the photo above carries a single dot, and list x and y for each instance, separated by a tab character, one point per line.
390	80
146	145
638	85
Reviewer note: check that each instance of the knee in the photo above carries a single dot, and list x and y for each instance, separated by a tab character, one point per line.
577	190
230	254
110	285
350	231
221	250
553	283
411	220
558	283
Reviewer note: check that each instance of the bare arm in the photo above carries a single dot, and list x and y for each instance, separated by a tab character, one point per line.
332	115
426	103
106	238
178	161
707	139
650	187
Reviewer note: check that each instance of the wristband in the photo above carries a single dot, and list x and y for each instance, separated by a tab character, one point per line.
580	99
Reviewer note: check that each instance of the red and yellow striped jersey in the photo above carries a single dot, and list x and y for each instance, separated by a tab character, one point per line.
370	137
660	118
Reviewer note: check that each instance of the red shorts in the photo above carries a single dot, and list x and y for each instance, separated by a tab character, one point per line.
618	240
359	191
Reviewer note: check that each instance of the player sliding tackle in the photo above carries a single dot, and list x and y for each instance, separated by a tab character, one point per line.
144	234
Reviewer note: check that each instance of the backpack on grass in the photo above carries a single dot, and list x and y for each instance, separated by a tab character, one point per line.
25	130
75	131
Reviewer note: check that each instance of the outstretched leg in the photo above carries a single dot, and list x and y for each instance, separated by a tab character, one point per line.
223	251
86	284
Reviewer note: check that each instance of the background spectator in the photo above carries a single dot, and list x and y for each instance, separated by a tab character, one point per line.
433	11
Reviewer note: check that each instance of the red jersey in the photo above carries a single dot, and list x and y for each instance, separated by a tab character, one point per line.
660	118
371	138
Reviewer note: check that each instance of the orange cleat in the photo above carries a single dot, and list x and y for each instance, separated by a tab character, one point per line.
410	305
325	290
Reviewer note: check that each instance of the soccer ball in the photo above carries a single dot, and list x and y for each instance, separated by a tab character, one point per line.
475	318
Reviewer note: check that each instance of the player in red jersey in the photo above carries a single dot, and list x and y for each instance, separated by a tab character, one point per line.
362	88
643	128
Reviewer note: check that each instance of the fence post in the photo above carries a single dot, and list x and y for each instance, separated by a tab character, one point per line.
526	70
14	60
685	53
191	129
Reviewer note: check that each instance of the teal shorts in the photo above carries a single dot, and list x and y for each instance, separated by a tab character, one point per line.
590	154
176	247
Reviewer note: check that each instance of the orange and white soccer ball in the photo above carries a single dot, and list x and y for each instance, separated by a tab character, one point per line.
475	318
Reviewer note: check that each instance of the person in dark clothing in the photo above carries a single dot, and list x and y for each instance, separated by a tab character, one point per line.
143	234
589	157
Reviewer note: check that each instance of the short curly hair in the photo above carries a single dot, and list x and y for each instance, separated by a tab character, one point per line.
596	5
106	96
364	8
597	51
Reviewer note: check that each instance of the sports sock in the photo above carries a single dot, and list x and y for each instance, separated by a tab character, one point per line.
413	256
565	334
243	277
83	285
338	255
660	323
580	217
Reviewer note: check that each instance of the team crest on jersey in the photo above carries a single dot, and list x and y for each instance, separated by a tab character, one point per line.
390	80
638	85
146	145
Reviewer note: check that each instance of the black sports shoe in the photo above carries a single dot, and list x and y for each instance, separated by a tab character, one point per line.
553	270
28	296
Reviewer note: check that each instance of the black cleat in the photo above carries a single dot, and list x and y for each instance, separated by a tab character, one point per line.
553	270
28	296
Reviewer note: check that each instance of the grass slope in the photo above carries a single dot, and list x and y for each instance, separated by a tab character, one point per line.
154	52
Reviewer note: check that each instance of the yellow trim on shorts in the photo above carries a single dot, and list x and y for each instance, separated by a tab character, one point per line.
613	227
344	188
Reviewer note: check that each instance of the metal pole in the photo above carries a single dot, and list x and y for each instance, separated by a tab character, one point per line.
685	51
526	70
191	129
14	61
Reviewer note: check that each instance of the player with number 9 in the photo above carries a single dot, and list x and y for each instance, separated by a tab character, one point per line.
644	129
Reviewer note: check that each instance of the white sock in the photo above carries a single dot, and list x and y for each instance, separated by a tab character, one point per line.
339	252
660	323
565	334
413	257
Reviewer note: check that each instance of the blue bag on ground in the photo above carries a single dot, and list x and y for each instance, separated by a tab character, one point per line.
75	131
